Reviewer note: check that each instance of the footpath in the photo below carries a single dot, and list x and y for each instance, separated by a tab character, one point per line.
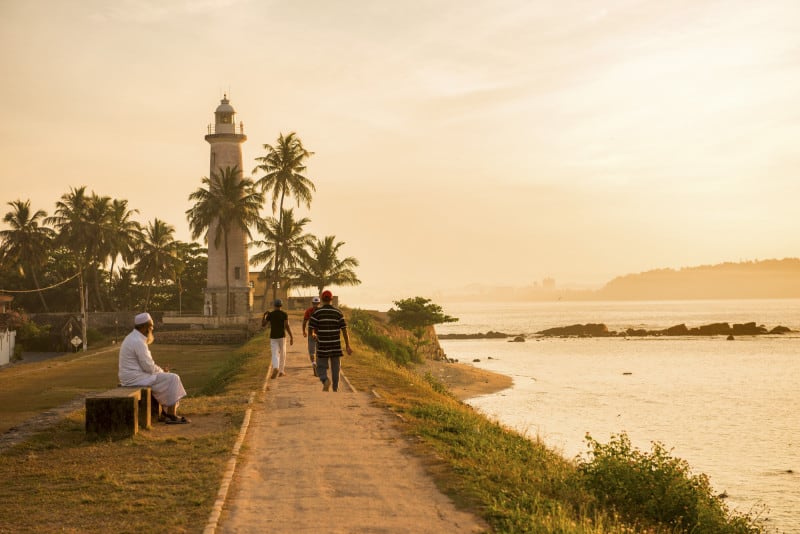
330	462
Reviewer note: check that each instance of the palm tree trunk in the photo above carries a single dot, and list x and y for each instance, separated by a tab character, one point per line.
227	277
267	279
97	293
39	290
111	281
84	294
277	247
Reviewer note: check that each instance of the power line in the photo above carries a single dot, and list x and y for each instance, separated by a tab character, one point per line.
40	289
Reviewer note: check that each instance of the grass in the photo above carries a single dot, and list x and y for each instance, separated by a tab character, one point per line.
60	481
521	485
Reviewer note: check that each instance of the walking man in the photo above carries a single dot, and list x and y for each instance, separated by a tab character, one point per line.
312	343
326	322
137	368
278	328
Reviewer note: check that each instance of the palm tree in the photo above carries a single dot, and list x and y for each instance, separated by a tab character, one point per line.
320	266
229	201
156	255
26	243
287	234
283	167
99	224
70	221
124	236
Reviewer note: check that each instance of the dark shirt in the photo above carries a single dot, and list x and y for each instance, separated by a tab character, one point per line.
328	321
277	320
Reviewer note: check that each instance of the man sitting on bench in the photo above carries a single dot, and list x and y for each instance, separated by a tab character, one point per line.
137	368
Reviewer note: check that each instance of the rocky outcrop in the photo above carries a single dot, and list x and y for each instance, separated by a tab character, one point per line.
488	335
579	330
713	329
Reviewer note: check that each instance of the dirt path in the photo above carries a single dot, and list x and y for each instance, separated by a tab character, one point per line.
331	462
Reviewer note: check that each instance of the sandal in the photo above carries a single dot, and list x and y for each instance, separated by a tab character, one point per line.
174	420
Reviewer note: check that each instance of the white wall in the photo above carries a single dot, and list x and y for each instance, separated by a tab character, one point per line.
7	339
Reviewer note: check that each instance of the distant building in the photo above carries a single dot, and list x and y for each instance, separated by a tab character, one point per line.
260	290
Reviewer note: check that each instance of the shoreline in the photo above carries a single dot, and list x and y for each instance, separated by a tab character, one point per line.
465	381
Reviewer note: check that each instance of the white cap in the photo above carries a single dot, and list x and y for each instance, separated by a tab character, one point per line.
315	300
142	318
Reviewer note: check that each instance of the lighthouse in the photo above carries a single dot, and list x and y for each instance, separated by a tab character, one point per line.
226	151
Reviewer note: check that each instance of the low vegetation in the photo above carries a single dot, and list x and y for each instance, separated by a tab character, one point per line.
57	480
170	479
521	485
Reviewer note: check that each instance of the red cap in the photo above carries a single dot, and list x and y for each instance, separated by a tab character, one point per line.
327	295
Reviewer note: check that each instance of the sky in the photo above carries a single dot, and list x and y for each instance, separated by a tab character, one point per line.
455	142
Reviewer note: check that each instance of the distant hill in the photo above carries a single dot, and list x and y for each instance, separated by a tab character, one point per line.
744	280
766	279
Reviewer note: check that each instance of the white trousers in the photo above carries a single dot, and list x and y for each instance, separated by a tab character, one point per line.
167	388
278	348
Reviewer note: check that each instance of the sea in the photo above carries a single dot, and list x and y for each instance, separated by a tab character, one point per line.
730	408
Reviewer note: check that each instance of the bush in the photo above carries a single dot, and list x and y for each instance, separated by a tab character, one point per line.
95	336
655	488
363	324
33	337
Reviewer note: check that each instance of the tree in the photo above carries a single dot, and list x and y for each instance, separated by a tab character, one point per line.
319	266
98	218
288	234
228	201
283	167
124	235
70	220
417	315
156	255
189	274
27	242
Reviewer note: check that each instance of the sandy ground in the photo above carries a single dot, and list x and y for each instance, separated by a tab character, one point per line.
335	462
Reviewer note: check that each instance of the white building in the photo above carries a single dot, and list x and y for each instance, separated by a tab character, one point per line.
226	151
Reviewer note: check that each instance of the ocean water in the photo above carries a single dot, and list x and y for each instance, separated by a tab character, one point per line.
731	409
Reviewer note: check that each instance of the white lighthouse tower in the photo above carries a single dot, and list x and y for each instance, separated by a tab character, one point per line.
226	151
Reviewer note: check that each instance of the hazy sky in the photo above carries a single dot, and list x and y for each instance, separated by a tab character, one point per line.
456	142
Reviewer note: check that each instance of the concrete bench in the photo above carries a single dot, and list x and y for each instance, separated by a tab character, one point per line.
119	412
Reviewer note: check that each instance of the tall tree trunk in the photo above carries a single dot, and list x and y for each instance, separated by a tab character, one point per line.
111	284
227	277
39	290
267	280
84	295
97	293
277	247
180	296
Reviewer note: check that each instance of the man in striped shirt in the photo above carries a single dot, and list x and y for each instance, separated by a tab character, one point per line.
326	322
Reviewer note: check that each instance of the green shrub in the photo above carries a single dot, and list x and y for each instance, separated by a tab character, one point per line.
94	336
655	488
363	324
33	337
17	356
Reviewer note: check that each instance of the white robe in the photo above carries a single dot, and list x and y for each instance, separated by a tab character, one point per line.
137	368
